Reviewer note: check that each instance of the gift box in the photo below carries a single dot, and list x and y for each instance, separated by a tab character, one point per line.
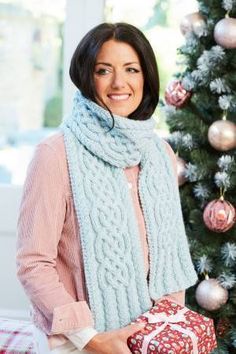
173	329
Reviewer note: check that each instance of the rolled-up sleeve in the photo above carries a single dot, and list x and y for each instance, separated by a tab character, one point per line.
40	224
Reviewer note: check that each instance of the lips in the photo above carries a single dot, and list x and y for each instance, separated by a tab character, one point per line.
119	97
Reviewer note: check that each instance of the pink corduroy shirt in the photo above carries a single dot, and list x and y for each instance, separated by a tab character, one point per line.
49	258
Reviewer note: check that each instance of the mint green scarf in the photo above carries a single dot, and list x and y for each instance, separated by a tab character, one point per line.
116	282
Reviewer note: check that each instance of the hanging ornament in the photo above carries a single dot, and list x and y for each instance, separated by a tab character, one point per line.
181	169
210	295
176	95
225	32
192	23
219	215
222	135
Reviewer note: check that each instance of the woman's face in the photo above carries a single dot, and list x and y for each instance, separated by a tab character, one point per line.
118	78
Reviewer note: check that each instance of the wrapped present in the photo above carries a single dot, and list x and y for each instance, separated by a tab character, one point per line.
173	329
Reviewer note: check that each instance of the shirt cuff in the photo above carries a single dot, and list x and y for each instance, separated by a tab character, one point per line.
82	337
71	317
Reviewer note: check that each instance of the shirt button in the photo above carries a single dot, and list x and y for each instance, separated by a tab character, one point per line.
130	185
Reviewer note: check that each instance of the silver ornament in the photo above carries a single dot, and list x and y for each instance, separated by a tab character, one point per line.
192	23
181	169
225	33
210	295
222	135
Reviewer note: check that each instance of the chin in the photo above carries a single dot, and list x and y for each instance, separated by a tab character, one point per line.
121	113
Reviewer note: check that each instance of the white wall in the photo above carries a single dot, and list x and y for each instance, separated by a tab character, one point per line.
81	16
13	302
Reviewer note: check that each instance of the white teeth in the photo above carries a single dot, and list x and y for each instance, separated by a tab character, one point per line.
118	97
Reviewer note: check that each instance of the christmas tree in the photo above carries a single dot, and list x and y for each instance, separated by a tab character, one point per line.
201	113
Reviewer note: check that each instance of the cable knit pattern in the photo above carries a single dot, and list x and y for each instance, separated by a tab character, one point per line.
115	276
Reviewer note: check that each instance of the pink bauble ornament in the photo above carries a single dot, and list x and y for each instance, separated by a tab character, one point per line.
225	33
192	23
181	169
210	295
176	95
219	215
222	135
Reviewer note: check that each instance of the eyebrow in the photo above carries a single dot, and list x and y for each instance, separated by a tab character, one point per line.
108	64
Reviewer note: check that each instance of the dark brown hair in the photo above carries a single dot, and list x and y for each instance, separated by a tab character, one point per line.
84	59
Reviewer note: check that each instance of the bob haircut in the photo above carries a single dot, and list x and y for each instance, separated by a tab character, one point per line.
84	59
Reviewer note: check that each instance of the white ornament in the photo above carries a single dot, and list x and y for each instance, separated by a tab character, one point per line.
225	33
210	295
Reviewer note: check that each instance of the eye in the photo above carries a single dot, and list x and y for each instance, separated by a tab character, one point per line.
102	71
133	70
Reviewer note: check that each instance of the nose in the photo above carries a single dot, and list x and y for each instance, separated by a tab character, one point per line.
118	80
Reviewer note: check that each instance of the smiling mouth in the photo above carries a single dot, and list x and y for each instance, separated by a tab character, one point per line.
119	97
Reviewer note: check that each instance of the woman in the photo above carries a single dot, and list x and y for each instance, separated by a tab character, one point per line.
101	235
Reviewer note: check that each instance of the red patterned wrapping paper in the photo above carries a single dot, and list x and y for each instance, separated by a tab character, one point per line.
173	329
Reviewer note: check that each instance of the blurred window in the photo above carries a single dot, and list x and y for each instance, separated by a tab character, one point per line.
31	69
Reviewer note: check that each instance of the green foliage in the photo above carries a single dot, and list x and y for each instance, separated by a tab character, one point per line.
159	14
53	112
201	110
53	109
